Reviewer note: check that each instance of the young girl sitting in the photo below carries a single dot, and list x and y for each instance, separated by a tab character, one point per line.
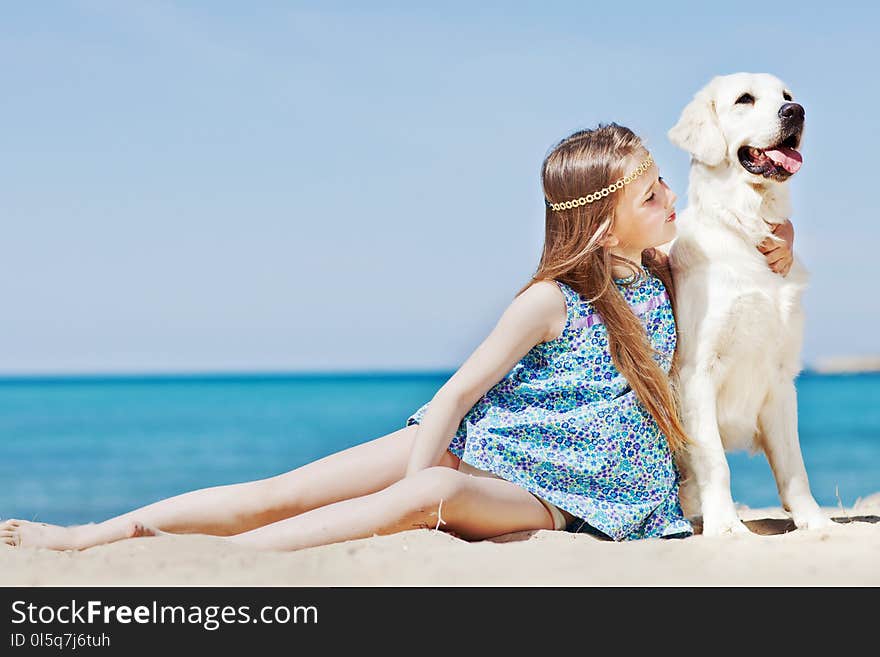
564	417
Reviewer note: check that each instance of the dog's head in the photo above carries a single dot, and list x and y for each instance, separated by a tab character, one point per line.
746	120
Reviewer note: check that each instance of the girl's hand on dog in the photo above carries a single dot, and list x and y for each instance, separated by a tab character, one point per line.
779	255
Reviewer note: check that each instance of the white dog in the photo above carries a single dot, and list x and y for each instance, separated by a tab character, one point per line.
740	324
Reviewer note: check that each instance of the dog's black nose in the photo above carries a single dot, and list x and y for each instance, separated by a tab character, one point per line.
791	112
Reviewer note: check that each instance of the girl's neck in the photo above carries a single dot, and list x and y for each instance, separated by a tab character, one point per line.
619	270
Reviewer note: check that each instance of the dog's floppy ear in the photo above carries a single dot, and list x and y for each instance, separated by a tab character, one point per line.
698	131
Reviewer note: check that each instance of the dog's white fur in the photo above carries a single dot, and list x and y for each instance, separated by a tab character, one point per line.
740	325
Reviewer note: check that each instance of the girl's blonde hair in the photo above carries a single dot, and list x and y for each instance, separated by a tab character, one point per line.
580	164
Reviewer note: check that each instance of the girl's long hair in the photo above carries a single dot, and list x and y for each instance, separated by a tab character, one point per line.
580	164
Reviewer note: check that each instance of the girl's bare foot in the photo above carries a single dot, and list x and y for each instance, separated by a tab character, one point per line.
23	533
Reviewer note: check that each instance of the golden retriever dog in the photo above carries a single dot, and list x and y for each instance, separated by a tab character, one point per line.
740	325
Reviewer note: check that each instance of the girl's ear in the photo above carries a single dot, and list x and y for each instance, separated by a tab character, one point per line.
698	131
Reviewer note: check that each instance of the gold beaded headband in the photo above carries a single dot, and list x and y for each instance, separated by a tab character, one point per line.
595	196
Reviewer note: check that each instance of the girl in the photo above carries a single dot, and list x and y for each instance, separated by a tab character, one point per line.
564	417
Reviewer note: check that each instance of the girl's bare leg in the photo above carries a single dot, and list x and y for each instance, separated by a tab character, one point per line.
235	508
436	498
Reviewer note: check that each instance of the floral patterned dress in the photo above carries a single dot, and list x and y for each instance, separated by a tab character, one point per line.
565	425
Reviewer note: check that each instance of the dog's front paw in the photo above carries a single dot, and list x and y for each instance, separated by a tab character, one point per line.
812	520
724	526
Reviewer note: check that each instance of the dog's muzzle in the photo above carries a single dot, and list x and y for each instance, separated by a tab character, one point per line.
780	160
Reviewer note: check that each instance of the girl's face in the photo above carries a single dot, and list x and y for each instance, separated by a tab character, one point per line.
645	212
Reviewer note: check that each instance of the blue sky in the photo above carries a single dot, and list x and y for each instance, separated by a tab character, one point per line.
215	186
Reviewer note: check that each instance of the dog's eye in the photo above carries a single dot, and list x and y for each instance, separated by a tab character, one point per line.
786	95
746	99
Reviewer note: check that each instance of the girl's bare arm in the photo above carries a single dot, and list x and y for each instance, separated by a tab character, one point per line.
534	316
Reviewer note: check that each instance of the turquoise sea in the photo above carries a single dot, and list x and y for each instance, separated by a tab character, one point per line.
82	449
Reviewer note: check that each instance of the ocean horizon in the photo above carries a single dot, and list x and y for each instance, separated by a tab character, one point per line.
81	448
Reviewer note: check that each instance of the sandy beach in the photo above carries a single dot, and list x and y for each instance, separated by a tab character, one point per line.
848	554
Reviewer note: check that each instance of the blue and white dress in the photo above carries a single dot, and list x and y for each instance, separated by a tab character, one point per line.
565	425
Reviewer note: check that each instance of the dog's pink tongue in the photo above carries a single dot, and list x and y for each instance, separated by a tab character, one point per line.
788	158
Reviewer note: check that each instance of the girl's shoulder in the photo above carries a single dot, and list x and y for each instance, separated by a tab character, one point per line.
551	300
574	306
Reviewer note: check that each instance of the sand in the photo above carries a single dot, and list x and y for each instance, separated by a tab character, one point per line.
847	554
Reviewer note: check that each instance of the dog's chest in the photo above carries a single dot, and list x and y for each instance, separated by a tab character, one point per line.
758	323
